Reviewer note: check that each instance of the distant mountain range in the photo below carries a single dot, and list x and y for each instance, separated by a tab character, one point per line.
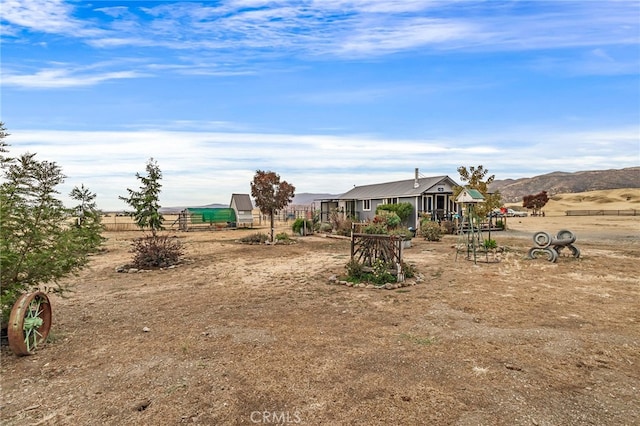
512	190
306	198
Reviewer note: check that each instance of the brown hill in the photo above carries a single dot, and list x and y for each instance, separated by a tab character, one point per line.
513	190
604	199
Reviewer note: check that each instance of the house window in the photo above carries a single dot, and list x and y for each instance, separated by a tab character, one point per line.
391	200
366	205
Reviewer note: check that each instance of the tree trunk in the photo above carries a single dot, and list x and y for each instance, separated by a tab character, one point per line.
271	233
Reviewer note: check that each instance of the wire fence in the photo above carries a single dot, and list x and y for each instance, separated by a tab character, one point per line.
285	217
628	212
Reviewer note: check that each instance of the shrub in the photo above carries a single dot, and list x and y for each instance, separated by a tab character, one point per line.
301	224
448	226
325	227
405	233
402	210
156	251
257	238
490	244
355	270
389	219
409	270
431	231
381	274
283	237
375	228
339	224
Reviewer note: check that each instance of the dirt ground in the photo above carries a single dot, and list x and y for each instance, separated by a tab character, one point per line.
242	334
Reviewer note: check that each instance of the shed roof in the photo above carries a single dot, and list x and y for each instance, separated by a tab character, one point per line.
401	188
243	201
469	195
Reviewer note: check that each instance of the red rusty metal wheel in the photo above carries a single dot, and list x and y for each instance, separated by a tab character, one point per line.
29	323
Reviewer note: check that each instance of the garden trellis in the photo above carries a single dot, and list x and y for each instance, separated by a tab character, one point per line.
368	249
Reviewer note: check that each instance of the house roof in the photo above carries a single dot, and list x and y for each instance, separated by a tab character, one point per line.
243	201
402	188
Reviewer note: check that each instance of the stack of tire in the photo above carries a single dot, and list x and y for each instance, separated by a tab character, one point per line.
550	248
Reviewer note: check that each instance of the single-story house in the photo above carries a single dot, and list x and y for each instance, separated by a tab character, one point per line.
432	196
243	207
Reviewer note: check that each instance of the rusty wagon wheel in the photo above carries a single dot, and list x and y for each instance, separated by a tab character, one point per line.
29	323
541	253
542	239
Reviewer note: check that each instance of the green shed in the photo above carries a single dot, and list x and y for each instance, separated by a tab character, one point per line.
198	216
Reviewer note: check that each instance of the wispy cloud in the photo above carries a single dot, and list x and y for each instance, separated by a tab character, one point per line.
232	37
45	16
64	77
333	28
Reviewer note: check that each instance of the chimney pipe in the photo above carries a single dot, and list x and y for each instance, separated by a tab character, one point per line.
415	181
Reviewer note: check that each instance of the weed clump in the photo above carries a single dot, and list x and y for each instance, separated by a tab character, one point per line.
156	251
257	238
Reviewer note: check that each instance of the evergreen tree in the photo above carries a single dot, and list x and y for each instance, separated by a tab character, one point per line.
145	201
37	244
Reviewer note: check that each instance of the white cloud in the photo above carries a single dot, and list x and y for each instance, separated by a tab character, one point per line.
63	77
240	34
49	16
337	27
208	167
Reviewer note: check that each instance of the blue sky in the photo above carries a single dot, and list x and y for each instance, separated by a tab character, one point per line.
328	93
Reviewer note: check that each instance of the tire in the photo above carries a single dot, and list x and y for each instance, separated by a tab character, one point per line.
542	239
547	253
575	251
566	237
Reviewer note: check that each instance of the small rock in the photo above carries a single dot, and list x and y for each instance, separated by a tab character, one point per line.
146	329
133	270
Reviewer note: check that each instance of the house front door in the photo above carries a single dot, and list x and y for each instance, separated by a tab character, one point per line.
441	205
351	209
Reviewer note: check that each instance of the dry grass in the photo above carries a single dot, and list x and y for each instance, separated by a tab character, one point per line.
238	330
